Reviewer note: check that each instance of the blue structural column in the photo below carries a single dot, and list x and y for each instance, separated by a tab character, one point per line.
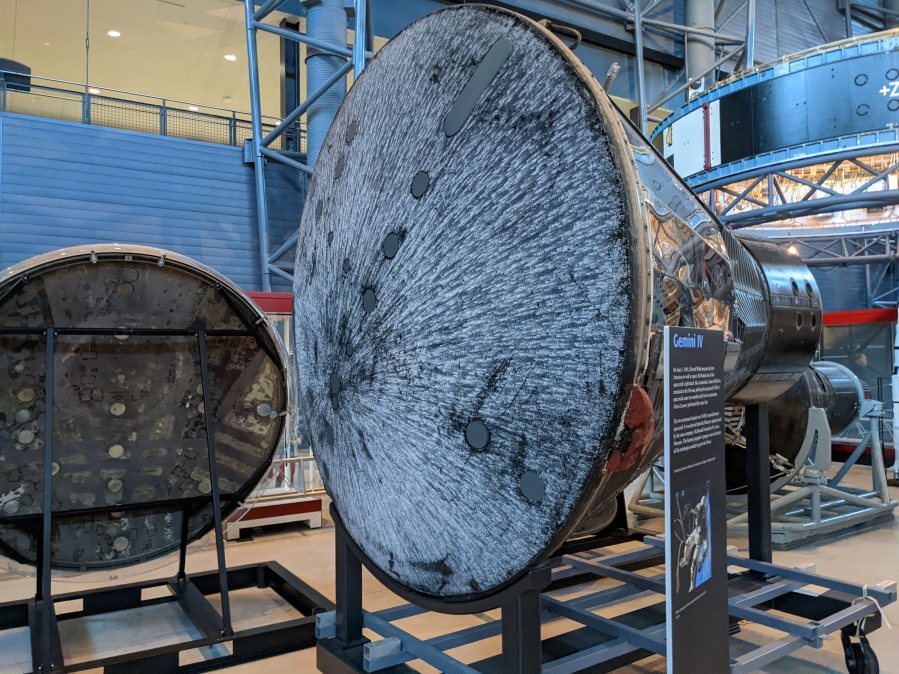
326	20
258	159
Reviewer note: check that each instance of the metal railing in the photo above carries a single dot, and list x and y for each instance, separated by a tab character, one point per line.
72	101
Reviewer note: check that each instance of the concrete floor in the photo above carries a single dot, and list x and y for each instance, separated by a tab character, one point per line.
866	557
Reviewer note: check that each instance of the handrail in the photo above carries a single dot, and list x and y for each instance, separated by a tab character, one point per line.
124	91
111	107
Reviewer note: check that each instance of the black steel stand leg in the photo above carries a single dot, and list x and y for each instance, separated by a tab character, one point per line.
758	474
214	480
349	593
46	651
522	650
521	633
43	590
182	556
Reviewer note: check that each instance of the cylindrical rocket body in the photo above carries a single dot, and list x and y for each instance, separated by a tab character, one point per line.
488	256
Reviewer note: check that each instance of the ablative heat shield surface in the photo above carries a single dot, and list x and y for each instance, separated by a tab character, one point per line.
129	455
464	301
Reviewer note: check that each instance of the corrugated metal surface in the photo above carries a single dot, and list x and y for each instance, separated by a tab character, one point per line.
64	184
788	26
842	288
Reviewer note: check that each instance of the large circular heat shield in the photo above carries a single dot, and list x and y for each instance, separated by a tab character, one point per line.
129	441
465	300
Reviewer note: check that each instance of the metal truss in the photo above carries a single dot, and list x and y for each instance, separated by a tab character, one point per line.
795	190
848	249
878	251
875	17
728	48
259	148
641	18
734	49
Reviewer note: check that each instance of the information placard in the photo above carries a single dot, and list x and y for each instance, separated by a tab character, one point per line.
695	521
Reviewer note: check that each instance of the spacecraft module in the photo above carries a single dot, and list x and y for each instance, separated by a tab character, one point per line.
487	257
826	385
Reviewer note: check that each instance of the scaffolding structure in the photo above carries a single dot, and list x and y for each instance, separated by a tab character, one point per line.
712	47
259	148
708	48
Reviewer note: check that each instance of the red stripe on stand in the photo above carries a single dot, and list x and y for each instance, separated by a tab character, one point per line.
273	303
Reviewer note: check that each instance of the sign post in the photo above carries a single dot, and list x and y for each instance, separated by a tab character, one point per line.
695	521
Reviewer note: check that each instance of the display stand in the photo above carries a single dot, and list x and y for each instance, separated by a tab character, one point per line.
760	592
278	504
811	506
189	591
758	482
342	648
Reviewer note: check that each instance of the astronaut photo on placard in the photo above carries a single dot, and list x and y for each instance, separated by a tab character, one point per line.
692	528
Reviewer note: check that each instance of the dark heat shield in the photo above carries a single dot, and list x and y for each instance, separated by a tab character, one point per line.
129	439
486	259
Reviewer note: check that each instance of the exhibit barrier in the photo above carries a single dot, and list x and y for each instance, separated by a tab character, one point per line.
131	111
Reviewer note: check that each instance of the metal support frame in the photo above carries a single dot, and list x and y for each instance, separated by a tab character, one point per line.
758	489
247	644
260	147
764	593
877	250
189	591
812	505
846	249
735	49
877	17
641	73
845	181
212	462
815	506
847	11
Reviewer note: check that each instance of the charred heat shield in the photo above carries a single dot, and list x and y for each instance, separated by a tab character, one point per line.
129	449
487	258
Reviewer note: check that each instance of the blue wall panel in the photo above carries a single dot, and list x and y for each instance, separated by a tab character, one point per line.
64	184
842	288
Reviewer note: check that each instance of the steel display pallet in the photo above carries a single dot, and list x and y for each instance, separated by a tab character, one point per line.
214	626
190	592
763	593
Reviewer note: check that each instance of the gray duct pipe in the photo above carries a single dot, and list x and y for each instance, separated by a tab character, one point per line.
890	20
701	50
326	20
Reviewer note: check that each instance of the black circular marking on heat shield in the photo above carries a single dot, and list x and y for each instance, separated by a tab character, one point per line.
369	300
532	487
476	434
351	131
391	245
420	184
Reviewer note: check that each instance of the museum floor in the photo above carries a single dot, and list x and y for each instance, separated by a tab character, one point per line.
869	556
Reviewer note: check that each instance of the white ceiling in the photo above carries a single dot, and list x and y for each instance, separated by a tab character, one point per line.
168	48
